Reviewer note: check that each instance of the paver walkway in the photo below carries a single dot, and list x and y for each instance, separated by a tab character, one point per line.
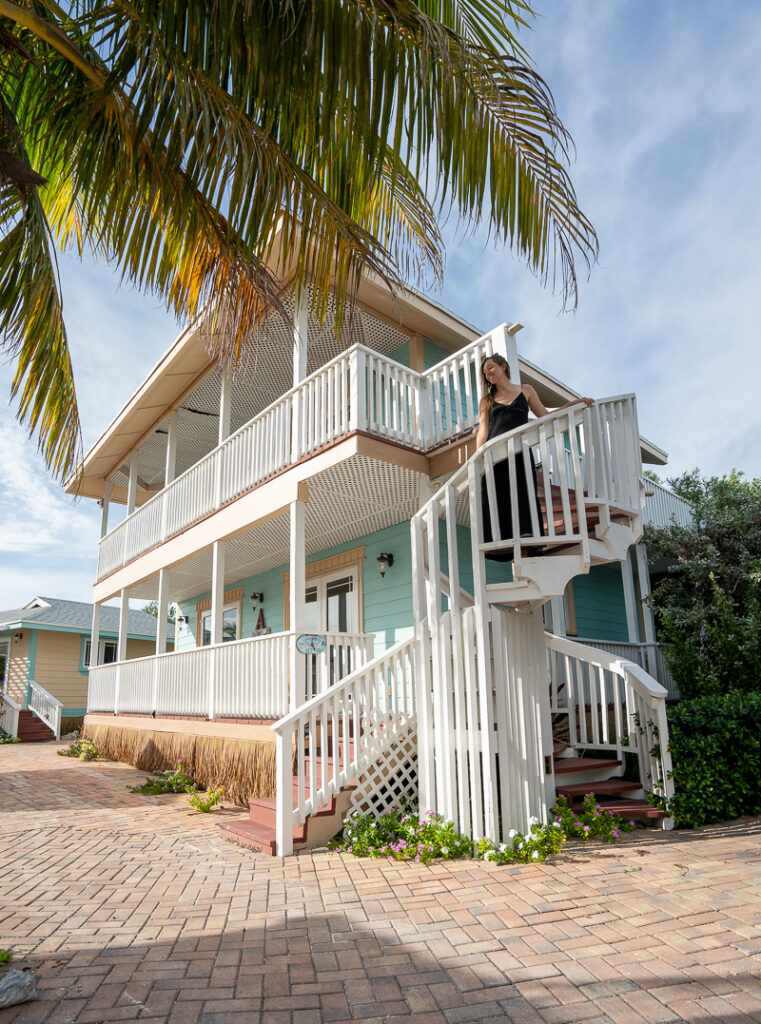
133	908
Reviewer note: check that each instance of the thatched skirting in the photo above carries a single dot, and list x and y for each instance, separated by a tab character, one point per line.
245	768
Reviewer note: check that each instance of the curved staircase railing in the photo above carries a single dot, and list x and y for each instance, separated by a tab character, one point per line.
324	745
9	713
612	704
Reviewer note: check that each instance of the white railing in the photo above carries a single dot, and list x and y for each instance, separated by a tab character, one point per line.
648	656
453	388
239	679
612	704
663	507
357	390
47	707
9	712
326	743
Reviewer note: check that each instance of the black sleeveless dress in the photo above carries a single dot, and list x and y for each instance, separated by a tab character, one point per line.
503	418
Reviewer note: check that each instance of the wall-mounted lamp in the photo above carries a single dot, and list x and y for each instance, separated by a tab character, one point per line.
384	561
17	637
257	600
179	618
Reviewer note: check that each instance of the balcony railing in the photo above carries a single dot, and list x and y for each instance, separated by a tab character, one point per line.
662	507
358	390
240	679
647	656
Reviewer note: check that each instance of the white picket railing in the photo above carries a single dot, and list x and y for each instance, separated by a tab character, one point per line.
612	704
339	733
239	679
663	507
9	712
648	656
359	389
47	707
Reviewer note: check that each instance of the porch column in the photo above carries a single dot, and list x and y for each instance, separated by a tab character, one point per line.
300	351
121	648
94	635
630	599
105	501
557	611
504	344
162	611
132	485
170	463
297	670
225	396
218	552
643	572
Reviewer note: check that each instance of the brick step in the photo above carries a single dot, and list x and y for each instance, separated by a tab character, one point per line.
609	786
568	765
639	810
32	730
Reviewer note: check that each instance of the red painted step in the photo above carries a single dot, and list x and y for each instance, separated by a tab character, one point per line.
608	786
566	765
32	730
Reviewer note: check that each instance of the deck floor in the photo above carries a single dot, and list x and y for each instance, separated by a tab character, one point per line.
133	908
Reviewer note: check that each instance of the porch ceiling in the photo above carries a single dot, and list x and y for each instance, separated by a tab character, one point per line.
358	496
265	372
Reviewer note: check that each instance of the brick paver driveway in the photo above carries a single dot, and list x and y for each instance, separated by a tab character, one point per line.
134	908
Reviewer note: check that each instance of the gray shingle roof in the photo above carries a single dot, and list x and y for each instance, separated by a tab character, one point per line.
77	615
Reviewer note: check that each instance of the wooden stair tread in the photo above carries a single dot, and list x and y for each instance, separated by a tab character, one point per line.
566	765
631	808
605	786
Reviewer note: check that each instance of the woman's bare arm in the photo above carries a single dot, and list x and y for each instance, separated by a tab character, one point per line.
483	423
537	406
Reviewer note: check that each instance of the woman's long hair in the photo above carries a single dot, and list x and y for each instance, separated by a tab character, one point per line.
490	390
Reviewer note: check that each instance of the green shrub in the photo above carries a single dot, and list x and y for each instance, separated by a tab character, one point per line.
406	835
84	749
175	780
7	738
715	744
205	801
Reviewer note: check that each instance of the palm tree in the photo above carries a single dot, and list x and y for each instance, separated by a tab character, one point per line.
220	152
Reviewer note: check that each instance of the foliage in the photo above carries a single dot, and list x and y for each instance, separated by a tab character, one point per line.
5	956
82	748
175	780
402	835
209	171
708	605
152	608
205	802
715	744
6	737
406	835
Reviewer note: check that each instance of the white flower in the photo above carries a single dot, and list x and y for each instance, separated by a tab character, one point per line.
444	851
512	834
533	821
535	855
502	847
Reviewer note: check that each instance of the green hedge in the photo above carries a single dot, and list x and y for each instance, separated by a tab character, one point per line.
715	746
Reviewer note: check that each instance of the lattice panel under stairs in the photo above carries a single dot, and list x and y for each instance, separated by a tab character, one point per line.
391	781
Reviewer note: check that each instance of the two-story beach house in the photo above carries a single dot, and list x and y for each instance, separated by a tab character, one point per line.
316	517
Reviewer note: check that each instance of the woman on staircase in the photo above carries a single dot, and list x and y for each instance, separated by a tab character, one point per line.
504	407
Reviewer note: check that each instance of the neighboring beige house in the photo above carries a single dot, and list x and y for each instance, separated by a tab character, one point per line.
45	650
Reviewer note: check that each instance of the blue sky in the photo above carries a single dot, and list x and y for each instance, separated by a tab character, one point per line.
662	102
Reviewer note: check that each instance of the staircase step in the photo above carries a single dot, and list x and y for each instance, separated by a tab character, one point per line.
639	810
566	765
610	786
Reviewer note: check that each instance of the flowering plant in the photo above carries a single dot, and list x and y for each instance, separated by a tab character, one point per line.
402	835
590	822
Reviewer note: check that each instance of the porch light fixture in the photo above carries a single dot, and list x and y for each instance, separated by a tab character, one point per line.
385	561
17	637
256	599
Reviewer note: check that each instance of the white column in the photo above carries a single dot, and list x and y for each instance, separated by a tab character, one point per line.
296	603
630	599
95	635
504	343
643	572
104	506
557	609
121	648
162	611
132	485
300	338
225	399
217	590
170	463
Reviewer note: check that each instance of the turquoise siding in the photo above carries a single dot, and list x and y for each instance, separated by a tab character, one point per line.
433	353
31	664
401	354
387	600
599	602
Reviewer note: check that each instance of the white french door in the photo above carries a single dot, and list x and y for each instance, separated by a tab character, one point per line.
332	606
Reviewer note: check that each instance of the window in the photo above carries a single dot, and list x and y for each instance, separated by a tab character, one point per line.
230	625
106	653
